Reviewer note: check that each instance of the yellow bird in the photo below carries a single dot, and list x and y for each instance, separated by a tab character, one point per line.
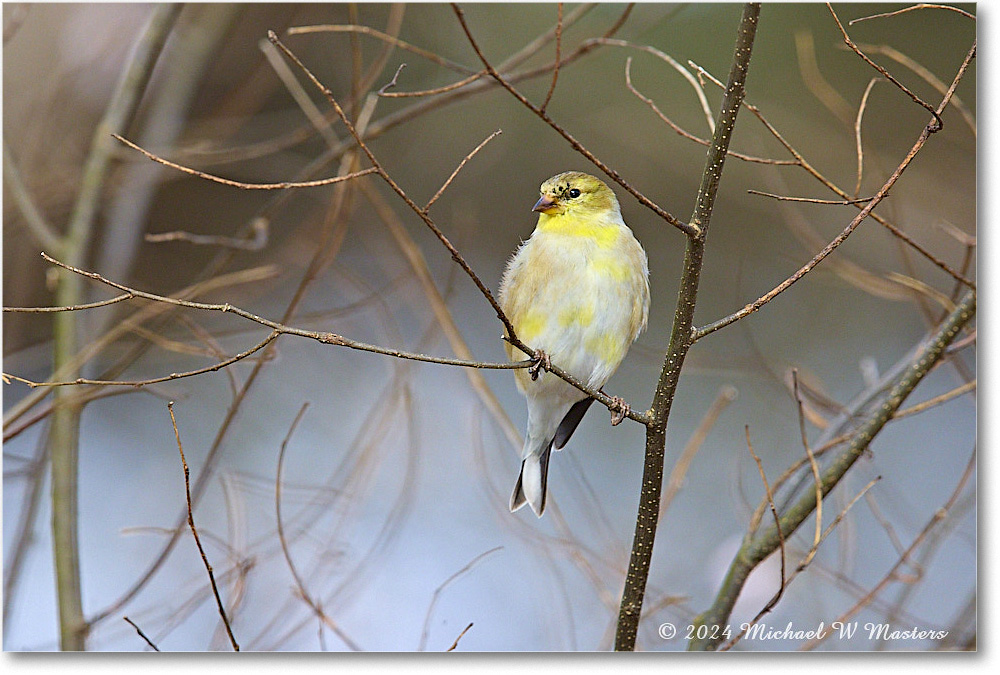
578	292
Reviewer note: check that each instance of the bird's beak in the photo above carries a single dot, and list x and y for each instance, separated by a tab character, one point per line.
544	205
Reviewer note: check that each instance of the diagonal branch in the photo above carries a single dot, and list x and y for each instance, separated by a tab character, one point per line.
686	228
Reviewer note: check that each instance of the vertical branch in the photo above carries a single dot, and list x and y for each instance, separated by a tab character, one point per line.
64	437
194	530
681	339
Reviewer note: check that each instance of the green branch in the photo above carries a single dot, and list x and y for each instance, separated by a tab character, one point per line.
755	550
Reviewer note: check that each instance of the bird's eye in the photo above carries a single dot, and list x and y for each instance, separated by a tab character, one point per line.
574	193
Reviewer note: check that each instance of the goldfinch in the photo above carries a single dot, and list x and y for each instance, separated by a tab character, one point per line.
578	292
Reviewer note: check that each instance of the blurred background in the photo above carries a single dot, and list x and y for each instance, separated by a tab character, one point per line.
394	530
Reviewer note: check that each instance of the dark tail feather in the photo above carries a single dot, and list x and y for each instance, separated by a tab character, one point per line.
518	498
571	421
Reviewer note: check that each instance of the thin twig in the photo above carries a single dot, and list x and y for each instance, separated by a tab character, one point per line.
922	5
812	171
440	589
258	237
194	530
939	515
686	228
555	71
283	329
454	644
71	308
245	186
379	35
839	239
817	481
459	168
810	200
154	380
938	122
684	72
688	135
141	634
928	77
857	135
777	524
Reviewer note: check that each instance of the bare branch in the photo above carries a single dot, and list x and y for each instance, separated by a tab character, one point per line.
440	589
454	644
810	200
839	239
141	634
194	530
922	5
555	71
245	186
459	168
938	122
857	135
686	228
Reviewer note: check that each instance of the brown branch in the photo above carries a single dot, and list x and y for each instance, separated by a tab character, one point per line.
244	186
812	171
459	168
688	135
155	380
555	71
440	589
684	72
939	515
428	92
938	122
857	135
511	335
817	481
810	200
777	524
194	530
141	634
839	239
279	329
258	239
70	308
681	335
922	5
389	39
454	644
687	228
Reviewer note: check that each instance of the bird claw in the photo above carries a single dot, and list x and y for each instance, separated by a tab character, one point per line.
541	361
619	410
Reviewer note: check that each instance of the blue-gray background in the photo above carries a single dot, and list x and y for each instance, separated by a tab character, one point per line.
398	476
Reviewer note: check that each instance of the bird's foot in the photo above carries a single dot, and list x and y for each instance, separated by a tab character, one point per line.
619	410
541	361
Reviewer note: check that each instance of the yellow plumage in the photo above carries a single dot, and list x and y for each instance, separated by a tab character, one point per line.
578	290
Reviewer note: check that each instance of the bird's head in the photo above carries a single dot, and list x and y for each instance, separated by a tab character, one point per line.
575	193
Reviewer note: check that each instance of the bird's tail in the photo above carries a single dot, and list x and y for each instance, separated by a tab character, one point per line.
532	482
